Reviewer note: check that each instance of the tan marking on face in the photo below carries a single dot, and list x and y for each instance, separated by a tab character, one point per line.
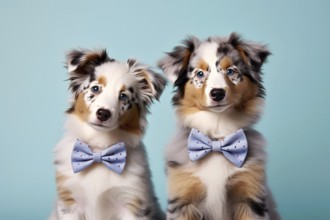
193	100
63	193
80	108
245	185
122	89
243	96
102	80
202	65
188	189
130	121
242	54
225	63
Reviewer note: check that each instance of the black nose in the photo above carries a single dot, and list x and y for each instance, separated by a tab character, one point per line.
217	94
103	114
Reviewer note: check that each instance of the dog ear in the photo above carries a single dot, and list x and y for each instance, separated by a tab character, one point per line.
151	84
253	54
175	64
81	66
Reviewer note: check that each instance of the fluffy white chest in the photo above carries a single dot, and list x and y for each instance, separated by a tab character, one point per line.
214	172
95	183
93	187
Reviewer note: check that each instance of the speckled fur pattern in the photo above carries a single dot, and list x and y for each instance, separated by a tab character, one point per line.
124	91
212	188
198	82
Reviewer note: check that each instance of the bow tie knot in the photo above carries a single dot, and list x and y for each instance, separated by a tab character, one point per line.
234	146
97	157
113	157
216	146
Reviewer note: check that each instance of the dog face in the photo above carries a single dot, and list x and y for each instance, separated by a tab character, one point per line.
109	94
217	75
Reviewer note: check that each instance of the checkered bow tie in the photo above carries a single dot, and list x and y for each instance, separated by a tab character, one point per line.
234	146
113	157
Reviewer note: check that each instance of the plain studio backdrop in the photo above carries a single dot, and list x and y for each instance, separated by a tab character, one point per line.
35	35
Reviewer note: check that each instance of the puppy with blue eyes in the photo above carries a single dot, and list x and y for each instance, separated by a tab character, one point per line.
216	161
102	170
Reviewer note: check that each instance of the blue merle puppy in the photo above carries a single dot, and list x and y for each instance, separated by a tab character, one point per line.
218	98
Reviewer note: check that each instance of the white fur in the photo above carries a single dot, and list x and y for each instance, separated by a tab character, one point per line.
214	174
214	124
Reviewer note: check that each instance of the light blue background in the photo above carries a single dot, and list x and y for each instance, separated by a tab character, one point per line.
34	35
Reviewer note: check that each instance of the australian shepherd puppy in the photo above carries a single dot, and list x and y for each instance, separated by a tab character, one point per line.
216	161
101	164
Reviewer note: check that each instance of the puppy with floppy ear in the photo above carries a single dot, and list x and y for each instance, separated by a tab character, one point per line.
102	170
216	161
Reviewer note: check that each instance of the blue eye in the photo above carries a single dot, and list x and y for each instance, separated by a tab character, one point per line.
230	72
123	96
95	89
200	74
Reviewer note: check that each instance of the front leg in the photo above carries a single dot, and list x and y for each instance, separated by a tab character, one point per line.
185	194
246	194
64	212
66	206
128	203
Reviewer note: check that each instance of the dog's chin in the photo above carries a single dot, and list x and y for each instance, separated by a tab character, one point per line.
101	127
218	108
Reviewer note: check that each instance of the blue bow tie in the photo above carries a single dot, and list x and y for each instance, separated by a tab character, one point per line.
114	157
234	146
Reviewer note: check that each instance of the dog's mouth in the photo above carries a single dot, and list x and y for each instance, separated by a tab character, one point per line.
98	125
218	107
